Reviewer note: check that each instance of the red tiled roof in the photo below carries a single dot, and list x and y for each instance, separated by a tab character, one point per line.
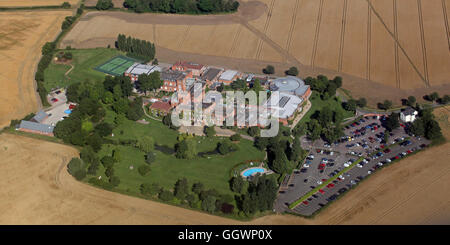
163	106
189	65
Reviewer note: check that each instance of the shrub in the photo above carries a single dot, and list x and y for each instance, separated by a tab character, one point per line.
109	172
150	189
235	137
114	181
166	195
143	169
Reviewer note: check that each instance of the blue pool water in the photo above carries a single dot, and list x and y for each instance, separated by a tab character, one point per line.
252	171
67	111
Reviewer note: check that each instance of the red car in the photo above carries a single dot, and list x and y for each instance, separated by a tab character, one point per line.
321	166
339	179
409	151
396	157
331	185
402	125
387	151
321	191
71	107
305	202
382	146
54	100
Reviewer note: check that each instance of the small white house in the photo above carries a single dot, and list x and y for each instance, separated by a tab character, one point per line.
408	115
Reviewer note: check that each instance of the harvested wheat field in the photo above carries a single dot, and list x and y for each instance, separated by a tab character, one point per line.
385	49
25	3
40	191
22	34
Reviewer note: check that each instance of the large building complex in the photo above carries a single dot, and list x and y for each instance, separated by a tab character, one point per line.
138	69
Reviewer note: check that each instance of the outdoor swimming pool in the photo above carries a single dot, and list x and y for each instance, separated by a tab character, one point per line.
252	171
68	111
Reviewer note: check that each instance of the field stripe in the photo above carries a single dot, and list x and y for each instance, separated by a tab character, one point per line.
266	26
369	41
292	28
422	37
399	203
344	22
397	65
444	9
184	38
316	36
424	79
235	39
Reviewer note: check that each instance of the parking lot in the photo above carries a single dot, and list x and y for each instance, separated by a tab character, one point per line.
364	140
59	105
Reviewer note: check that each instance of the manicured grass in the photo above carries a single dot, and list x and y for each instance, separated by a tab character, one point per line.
317	104
212	170
84	62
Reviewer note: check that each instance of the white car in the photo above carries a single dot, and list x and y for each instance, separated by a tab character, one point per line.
342	177
346	165
359	165
319	182
380	164
369	172
306	165
388	160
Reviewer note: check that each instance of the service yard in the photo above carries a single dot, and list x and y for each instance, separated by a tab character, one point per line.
329	161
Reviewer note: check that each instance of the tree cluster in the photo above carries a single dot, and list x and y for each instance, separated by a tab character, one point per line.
136	48
426	125
325	87
104	4
182	6
259	197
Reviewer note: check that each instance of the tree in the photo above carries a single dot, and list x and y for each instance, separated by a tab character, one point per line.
205	5
181	189
387	104
109	172
104	129
362	102
432	130
48	48
210	131
66	5
392	122
144	169
269	69
165	195
104	4
350	105
296	150
293	71
325	116
117	156
108	161
226	147
418	128
186	149
150	157
150	189
411	100
198	187
209	204
238	185
280	162
146	143
434	96
314	129
235	137
75	166
254	131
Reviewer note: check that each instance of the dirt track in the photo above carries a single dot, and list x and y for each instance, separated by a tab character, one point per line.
40	191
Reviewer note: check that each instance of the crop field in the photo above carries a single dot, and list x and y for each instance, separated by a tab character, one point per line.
22	34
24	3
393	47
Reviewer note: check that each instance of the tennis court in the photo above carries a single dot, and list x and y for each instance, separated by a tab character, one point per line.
116	66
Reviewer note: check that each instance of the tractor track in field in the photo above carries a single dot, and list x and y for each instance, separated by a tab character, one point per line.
397	63
424	47
341	47
266	26
292	26
235	39
378	16
369	41
184	38
444	9
316	35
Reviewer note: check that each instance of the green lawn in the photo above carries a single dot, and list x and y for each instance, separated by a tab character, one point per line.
84	62
213	171
317	104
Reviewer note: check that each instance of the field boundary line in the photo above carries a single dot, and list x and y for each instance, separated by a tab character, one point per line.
444	10
316	35
397	63
266	26
422	37
344	22
235	39
292	27
399	203
424	79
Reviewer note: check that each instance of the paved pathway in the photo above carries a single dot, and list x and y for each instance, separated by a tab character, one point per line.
302	114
